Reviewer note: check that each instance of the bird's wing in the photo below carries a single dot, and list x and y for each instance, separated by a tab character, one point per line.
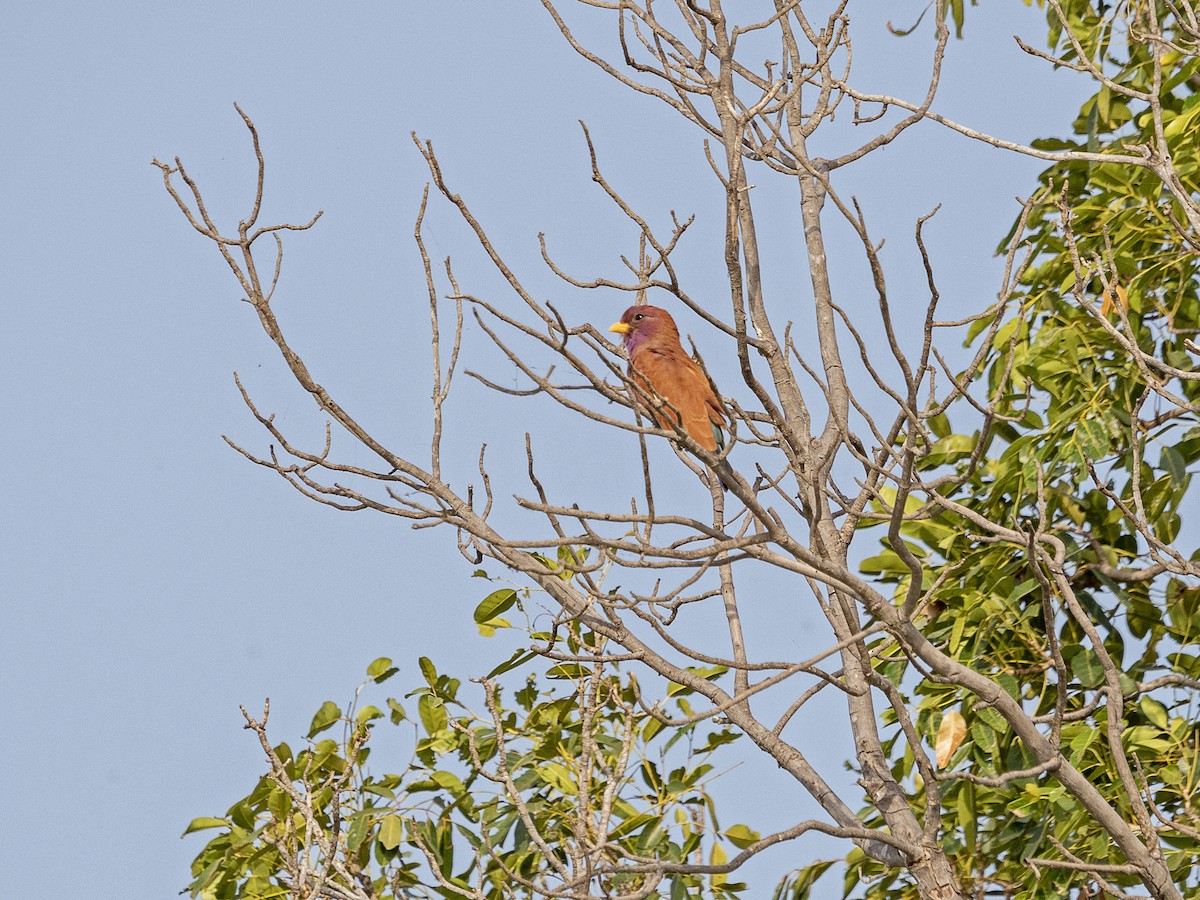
679	380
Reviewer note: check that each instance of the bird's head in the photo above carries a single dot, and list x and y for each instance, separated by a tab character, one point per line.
641	324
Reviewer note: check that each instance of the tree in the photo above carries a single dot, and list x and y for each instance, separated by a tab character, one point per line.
1021	698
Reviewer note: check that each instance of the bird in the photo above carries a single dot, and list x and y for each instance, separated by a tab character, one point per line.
659	364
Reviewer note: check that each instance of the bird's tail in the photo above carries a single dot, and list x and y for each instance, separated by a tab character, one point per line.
724	473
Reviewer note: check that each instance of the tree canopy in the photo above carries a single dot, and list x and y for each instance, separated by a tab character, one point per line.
996	536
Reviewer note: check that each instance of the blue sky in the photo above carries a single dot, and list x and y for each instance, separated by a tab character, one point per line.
152	579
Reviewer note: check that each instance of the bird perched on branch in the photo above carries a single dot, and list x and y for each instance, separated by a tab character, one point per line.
658	363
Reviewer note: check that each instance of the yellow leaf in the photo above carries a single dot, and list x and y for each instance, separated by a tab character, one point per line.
950	734
718	857
1108	305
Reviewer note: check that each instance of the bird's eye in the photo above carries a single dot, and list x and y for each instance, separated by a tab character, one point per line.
639	317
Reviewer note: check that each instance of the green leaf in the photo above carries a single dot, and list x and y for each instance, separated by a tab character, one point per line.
1085	665
448	781
494	604
381	670
886	563
948	450
741	836
433	715
716	739
398	713
1172	462
1020	591
807	878
367	714
1092	436
242	814
630	825
391	831
1154	711
519	658
357	832
1148	738
205	822
965	807
429	670
326	716
559	777
985	739
1104	103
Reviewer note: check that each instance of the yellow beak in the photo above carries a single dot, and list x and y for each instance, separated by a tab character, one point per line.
621	328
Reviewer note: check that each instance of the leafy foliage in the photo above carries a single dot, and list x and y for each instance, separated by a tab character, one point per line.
1090	442
520	793
1037	653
